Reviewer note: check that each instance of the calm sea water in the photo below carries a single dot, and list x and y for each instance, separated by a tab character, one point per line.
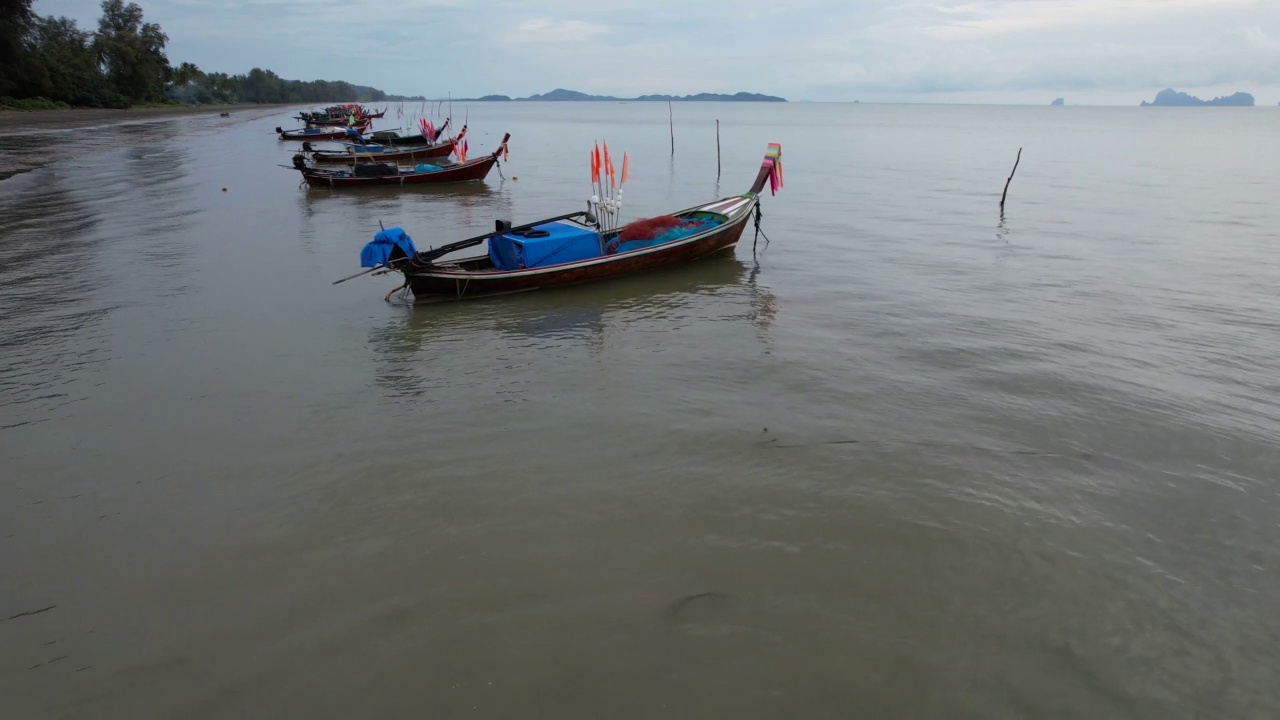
906	460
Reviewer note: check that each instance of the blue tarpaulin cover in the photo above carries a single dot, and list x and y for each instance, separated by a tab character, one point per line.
563	242
378	251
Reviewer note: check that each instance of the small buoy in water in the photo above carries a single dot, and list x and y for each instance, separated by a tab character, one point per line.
514	178
224	189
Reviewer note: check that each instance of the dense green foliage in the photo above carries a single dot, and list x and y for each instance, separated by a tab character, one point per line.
48	62
263	86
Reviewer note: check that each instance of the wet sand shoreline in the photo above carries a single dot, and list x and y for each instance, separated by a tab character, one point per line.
46	145
30	120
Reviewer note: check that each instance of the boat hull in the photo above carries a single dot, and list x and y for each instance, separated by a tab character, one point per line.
350	158
463	172
335	134
440	282
400	140
331	121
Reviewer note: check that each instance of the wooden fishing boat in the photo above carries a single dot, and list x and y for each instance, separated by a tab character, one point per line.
570	249
356	152
321	133
389	173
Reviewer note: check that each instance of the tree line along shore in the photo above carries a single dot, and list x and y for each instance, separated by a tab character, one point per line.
49	62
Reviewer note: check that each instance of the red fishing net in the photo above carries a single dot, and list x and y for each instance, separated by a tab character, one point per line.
646	228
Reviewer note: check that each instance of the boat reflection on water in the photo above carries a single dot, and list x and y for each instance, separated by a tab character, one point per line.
420	349
381	194
458	204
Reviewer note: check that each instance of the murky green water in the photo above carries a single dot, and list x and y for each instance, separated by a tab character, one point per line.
910	461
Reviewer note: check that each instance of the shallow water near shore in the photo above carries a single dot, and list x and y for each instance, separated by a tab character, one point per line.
907	459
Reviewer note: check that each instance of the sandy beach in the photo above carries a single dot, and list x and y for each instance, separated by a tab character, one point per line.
44	145
20	120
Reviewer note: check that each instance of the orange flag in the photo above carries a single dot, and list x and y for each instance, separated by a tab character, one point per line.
608	166
625	169
595	166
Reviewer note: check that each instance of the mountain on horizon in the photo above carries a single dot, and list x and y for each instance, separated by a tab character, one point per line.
1172	98
561	94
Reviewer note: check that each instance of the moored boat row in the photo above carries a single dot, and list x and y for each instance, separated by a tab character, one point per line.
368	169
576	247
379	158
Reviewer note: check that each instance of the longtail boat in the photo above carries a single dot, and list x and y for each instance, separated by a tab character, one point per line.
322	133
357	152
389	173
578	247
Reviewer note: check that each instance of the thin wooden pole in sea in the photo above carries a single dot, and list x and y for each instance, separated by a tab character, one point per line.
717	147
671	123
1005	194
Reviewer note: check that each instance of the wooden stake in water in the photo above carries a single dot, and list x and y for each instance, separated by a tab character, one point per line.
671	123
717	147
1006	182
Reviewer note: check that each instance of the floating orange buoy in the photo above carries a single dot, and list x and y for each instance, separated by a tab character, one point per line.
514	178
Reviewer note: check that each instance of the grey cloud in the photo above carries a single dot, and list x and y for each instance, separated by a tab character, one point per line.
818	49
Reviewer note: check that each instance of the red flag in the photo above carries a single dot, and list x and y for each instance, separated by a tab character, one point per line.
595	165
625	170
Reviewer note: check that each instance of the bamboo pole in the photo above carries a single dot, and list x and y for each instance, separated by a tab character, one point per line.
1005	194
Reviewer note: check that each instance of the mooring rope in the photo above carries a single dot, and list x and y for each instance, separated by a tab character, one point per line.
759	232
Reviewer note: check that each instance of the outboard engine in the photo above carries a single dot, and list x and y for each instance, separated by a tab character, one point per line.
299	162
279	130
501	225
306	146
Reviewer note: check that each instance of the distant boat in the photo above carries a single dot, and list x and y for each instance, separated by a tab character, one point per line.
569	249
339	115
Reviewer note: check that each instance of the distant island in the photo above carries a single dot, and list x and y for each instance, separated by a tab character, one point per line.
1058	103
560	94
1172	98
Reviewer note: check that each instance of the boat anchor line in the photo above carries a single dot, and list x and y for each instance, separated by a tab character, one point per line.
404	287
759	232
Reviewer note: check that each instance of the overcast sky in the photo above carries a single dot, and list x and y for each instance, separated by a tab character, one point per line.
1021	51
